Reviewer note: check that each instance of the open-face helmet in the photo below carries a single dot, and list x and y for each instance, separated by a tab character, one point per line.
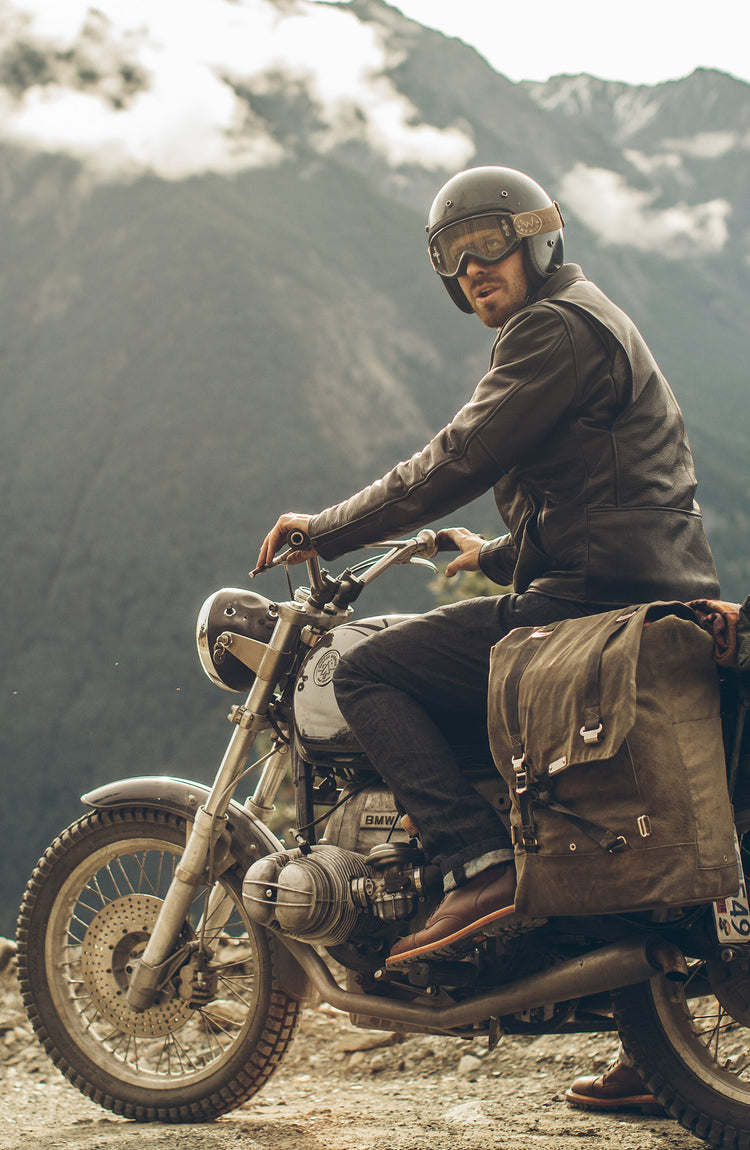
488	213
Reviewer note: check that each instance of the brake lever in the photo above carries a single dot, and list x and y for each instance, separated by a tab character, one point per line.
277	561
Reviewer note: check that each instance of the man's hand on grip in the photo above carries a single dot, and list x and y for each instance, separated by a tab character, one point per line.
468	544
277	539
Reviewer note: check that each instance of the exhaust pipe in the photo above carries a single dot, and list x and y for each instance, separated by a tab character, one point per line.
610	967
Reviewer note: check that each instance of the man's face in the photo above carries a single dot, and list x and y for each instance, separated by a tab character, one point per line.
495	291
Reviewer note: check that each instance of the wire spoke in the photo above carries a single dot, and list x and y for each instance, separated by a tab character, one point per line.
168	1040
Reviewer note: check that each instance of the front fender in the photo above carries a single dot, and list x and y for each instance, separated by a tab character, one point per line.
249	838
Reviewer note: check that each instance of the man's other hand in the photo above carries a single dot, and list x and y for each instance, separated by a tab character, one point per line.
468	544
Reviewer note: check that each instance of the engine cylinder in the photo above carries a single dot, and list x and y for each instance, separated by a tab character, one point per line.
307	896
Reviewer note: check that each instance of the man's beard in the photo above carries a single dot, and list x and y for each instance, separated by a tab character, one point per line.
508	287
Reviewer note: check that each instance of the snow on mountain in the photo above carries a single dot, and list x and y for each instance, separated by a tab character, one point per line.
632	108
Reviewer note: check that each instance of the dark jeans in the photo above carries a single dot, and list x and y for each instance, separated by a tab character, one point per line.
415	695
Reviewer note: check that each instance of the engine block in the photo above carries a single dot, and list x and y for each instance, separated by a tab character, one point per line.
325	894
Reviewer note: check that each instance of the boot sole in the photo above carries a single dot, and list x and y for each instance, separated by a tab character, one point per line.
506	923
645	1103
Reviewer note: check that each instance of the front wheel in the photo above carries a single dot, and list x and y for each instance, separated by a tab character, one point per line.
217	1031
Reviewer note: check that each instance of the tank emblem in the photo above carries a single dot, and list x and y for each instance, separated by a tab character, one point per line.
325	668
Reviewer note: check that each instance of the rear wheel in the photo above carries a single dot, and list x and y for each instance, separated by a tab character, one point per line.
691	1042
217	1031
691	1045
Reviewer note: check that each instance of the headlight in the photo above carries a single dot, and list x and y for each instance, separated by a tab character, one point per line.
242	613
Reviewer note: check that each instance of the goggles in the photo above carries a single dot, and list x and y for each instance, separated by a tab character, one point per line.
488	238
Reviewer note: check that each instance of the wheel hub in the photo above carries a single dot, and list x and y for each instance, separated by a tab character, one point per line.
730	983
113	942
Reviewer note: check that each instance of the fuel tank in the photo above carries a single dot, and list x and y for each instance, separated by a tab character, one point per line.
321	729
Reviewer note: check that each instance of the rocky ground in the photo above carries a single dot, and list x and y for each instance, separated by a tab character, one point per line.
343	1089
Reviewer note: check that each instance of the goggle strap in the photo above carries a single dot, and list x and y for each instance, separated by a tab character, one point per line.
537	222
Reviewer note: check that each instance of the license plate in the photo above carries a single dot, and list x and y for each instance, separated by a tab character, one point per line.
732	915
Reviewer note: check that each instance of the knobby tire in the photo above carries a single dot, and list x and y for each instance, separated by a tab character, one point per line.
691	1043
103	879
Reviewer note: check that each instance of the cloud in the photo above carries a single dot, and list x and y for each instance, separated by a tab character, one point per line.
622	215
137	85
709	145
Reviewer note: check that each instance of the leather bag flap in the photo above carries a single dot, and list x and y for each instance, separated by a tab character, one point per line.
565	693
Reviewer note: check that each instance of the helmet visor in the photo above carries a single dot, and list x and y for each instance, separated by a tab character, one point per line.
488	238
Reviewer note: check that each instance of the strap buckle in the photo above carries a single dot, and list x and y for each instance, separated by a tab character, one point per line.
644	826
522	778
591	735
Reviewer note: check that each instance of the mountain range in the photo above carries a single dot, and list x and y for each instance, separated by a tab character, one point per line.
196	339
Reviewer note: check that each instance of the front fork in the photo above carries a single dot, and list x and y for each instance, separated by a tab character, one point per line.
157	960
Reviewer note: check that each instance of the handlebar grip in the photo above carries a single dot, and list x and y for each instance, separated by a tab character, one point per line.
298	540
444	542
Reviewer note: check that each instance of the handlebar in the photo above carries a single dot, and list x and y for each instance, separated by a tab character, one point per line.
428	543
343	590
425	545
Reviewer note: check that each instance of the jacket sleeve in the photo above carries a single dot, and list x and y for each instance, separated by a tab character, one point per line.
497	560
530	385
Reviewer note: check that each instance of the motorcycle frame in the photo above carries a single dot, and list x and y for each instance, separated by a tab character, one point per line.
270	662
213	811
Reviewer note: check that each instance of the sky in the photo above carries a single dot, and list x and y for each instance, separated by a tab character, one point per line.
637	41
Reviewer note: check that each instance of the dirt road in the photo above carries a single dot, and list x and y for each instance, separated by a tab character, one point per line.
345	1089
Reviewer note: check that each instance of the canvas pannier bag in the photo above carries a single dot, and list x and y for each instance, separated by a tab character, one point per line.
607	730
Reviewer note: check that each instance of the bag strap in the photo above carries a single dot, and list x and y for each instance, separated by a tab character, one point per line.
592	720
511	689
602	836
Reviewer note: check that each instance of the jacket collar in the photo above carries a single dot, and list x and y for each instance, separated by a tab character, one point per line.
563	278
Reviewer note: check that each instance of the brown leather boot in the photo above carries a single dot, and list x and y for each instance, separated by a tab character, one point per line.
619	1087
464	914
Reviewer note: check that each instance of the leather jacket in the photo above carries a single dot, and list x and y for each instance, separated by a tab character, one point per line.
579	434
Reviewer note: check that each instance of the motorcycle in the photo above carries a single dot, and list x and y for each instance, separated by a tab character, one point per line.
167	939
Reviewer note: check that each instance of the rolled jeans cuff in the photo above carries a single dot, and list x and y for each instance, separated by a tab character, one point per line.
458	870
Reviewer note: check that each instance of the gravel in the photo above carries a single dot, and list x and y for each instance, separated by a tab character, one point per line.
340	1088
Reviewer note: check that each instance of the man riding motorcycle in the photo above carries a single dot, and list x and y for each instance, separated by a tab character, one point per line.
580	437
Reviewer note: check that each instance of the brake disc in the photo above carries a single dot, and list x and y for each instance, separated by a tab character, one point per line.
113	942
